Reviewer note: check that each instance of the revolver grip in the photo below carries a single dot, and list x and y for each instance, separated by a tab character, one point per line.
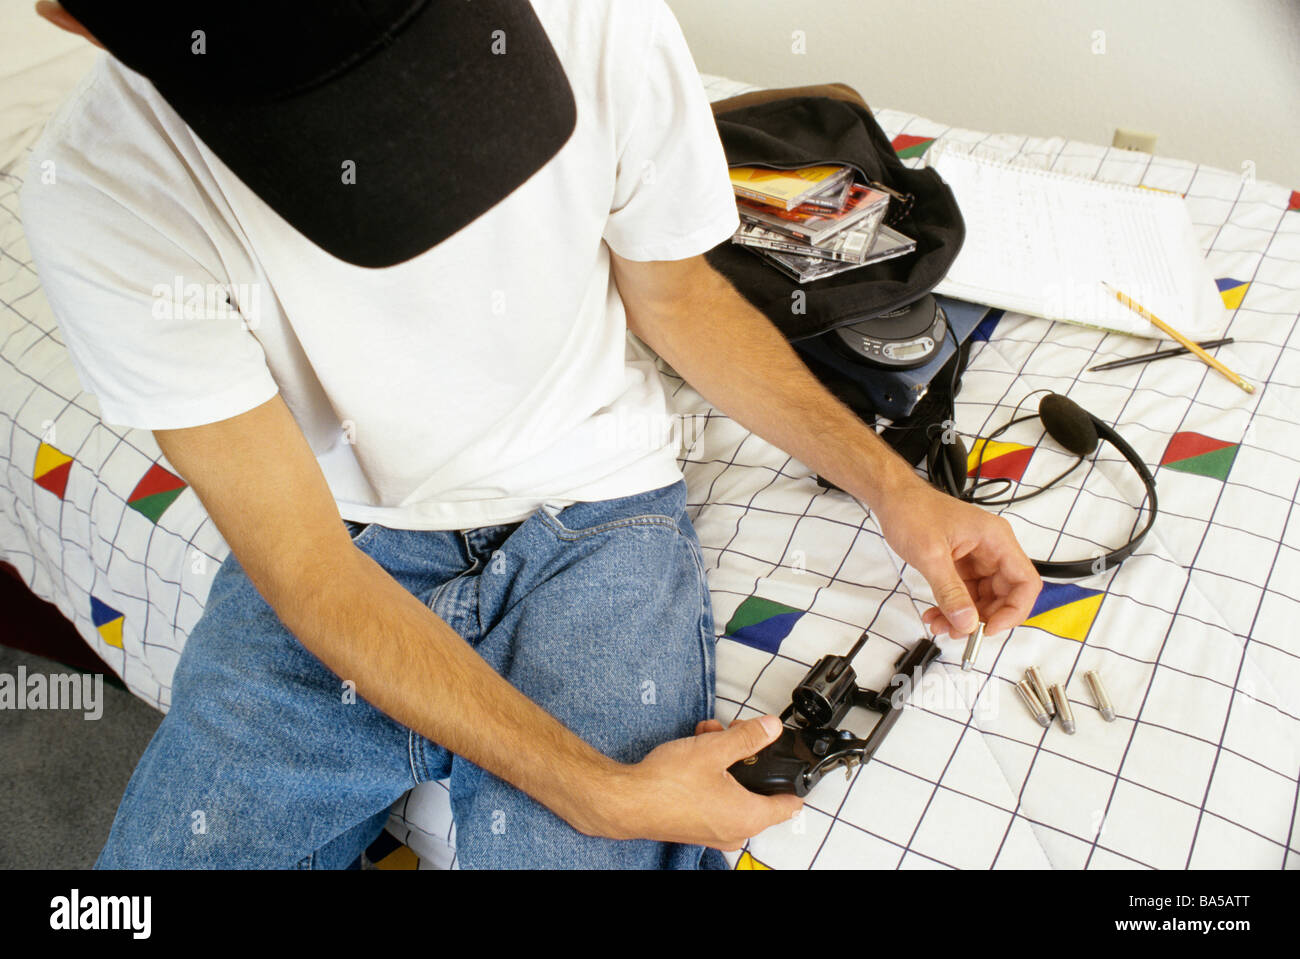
778	767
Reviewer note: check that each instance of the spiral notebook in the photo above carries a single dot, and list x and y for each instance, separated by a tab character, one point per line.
1042	243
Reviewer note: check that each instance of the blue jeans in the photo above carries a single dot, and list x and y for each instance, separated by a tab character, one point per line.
600	613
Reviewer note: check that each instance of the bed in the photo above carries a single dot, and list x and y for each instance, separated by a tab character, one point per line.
1193	635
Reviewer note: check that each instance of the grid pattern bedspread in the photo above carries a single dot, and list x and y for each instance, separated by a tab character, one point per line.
1194	635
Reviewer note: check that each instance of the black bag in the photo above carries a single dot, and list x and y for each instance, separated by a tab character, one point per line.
803	126
831	123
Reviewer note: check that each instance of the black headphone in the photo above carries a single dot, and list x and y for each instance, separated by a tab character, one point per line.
1075	429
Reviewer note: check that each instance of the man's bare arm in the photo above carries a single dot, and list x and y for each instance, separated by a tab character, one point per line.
262	486
733	355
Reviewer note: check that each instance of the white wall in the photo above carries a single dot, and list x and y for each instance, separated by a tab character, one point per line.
1218	80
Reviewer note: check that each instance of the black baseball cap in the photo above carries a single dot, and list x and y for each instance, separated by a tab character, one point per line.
376	128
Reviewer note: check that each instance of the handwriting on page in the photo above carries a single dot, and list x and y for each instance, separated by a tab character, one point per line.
1042	244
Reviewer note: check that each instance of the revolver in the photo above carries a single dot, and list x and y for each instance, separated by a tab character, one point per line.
810	744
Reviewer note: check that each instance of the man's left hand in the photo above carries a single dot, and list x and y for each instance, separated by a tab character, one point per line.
743	365
970	558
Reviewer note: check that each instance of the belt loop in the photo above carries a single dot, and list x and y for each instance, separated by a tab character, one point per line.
471	555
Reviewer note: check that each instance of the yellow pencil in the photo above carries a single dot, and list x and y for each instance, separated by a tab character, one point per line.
1184	341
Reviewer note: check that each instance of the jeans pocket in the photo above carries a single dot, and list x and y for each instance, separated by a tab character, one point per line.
658	507
359	531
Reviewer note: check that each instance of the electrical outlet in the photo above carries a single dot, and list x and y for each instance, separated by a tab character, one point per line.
1133	140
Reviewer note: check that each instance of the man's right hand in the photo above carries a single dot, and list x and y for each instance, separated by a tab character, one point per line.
681	792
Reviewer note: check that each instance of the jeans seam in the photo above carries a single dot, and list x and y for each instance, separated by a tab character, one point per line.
446	584
572	535
708	640
416	758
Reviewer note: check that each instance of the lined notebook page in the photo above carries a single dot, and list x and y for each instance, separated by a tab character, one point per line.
1042	243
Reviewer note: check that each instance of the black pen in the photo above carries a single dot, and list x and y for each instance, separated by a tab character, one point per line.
1158	355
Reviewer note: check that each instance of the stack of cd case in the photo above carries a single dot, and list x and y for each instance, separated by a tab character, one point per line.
796	263
794	259
809	241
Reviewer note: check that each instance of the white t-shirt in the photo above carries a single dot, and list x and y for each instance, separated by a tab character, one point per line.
484	378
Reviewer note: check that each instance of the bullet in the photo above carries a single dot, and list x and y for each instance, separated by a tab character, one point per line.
1034	703
1099	695
1063	711
972	647
1036	681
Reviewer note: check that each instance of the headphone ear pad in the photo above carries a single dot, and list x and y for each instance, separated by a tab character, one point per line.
953	464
